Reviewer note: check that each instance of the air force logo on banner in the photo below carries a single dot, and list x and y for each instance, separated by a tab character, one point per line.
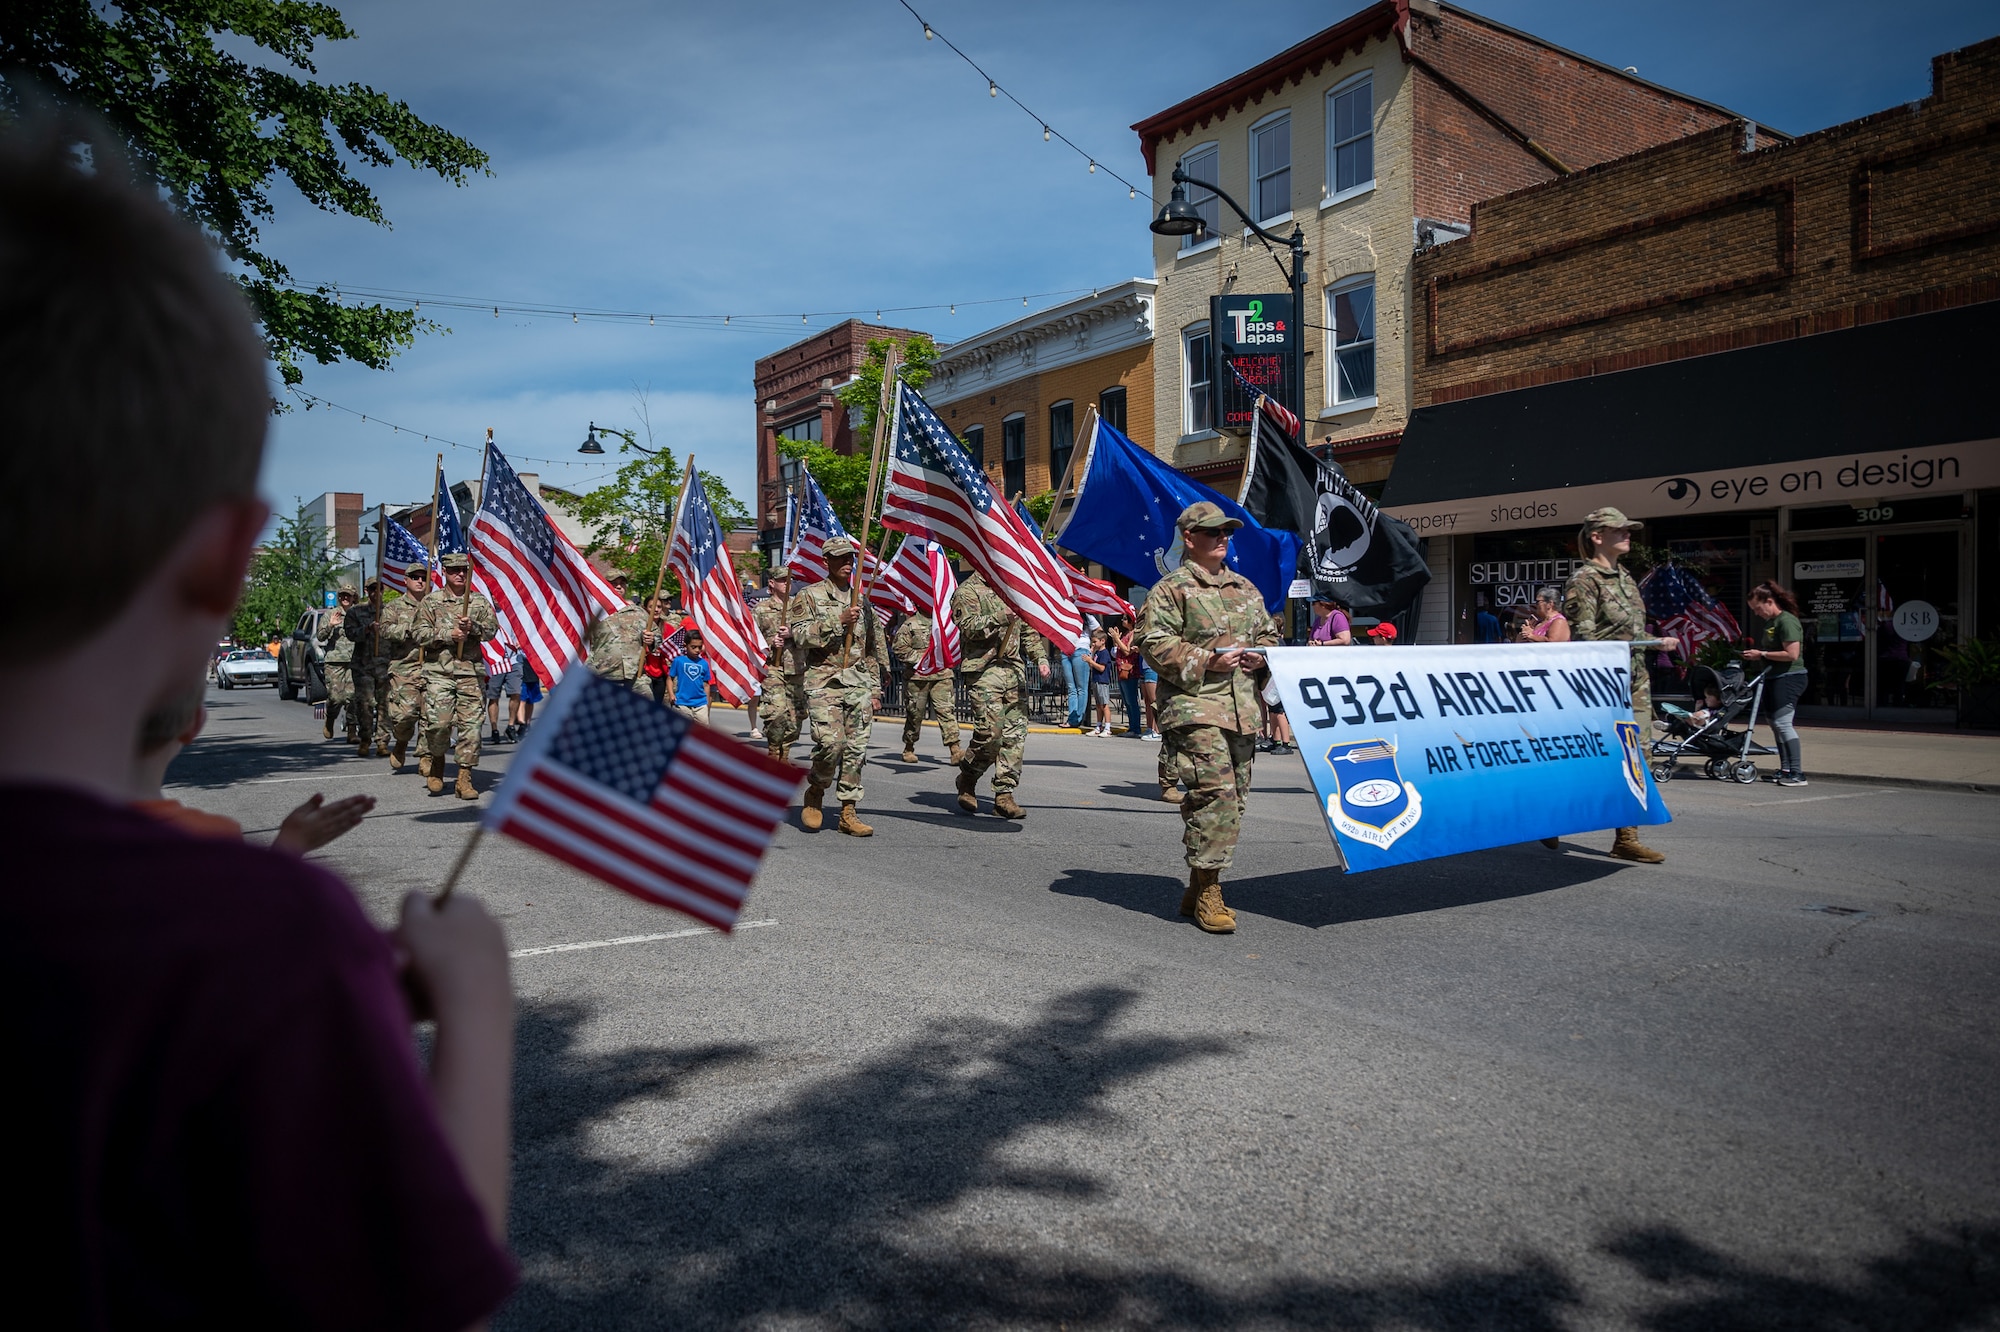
1372	802
1634	760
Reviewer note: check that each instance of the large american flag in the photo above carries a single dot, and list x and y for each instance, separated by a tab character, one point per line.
943	652
714	598
542	588
645	798
905	581
1684	608
936	490
1094	596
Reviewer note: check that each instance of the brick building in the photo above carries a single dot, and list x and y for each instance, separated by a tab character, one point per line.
1776	353
1018	394
1376	136
796	388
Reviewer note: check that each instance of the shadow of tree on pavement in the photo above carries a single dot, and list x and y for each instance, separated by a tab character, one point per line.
811	1212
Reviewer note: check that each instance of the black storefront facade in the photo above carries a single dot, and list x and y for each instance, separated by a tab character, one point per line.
1859	467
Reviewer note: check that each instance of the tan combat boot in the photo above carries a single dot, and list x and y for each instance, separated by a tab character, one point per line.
465	789
851	825
957	755
809	813
382	749
1192	895
968	798
396	756
909	754
424	764
361	747
1209	911
1629	847
1173	795
1006	807
434	784
327	730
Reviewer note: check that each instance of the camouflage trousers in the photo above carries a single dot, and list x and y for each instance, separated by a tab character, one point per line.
1173	768
999	728
784	704
932	694
1642	697
378	679
841	716
453	699
1212	812
354	691
405	702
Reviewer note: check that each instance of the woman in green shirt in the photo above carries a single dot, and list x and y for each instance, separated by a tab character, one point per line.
1779	643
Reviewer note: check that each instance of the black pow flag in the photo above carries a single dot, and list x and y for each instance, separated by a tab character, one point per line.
1369	562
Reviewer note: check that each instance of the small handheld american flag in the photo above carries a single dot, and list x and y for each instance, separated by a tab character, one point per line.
401	551
646	799
1684	608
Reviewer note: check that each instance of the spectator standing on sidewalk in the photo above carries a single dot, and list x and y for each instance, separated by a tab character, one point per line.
1604	606
1331	627
1129	668
1780	644
230	1125
1547	624
1102	673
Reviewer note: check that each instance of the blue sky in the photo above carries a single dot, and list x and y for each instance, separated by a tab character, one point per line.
786	157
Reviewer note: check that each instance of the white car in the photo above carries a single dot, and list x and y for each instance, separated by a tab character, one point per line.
252	666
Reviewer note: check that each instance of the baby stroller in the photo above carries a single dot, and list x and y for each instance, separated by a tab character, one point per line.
1722	697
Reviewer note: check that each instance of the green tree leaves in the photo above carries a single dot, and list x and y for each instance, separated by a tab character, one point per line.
288	575
632	513
216	131
843	477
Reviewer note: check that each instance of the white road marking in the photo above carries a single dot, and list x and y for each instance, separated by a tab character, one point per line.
632	939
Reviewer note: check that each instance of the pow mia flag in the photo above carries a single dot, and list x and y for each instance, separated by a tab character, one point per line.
1353	551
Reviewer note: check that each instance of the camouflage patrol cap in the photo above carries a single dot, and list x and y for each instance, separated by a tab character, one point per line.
780	571
346	589
456	563
838	548
618	576
1599	519
1206	515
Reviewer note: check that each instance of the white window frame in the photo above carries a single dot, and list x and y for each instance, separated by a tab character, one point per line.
1262	127
1195	241
1341	89
1188	335
1335	404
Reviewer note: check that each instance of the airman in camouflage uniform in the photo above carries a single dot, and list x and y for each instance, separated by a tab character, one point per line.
449	630
1603	605
784	684
396	640
934	693
996	647
1199	629
345	687
377	665
843	682
618	643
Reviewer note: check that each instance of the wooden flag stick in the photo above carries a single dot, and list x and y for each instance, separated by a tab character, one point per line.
465	602
458	866
674	529
1069	472
884	409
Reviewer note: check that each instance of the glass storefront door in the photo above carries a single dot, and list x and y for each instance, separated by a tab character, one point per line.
1917	613
1876	608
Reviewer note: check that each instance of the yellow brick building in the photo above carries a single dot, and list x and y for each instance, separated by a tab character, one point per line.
1018	395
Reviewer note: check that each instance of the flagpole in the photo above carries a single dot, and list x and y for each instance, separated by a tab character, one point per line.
458	867
1069	473
673	530
437	484
1069	469
375	599
465	602
883	410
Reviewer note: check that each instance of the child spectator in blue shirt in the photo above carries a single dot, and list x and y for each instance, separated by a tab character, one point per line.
691	673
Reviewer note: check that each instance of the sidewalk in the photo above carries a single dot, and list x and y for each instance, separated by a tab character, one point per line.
1954	760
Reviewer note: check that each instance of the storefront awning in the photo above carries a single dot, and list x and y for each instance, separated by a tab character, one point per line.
1888	409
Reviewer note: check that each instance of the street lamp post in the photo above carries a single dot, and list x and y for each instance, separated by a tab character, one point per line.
590	444
1178	217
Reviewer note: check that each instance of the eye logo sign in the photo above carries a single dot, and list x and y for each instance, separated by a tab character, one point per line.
1680	488
1371	801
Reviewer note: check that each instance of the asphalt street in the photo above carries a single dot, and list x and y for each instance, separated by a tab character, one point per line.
978	1073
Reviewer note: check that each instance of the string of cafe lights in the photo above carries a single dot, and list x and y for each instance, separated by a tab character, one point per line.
994	88
578	314
313	400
